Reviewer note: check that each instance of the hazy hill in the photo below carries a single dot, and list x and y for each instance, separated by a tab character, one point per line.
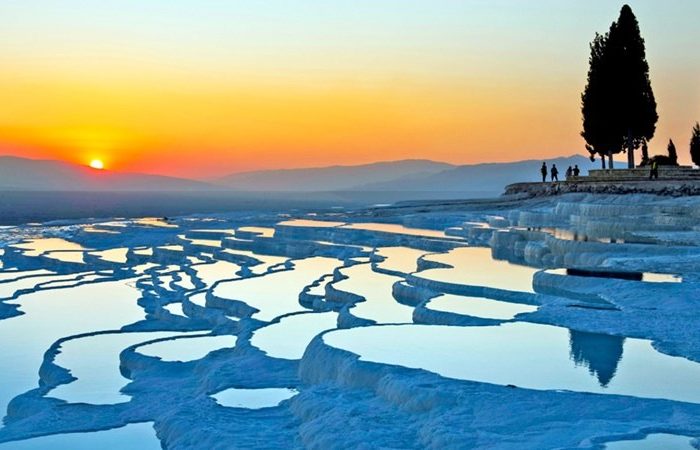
334	178
404	179
46	175
487	179
410	176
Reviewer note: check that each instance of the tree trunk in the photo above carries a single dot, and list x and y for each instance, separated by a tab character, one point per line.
630	158
630	150
602	161
610	160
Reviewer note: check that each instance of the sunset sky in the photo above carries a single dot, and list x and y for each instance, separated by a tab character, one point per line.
202	88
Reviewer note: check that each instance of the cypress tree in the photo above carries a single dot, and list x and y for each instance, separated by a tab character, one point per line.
672	154
598	131
618	104
695	145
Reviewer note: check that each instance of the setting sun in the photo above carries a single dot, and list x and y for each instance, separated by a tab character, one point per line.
97	164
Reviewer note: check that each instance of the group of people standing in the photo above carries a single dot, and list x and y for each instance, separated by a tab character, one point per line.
554	172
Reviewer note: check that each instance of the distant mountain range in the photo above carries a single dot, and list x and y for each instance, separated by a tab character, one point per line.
403	176
430	178
47	175
489	178
333	178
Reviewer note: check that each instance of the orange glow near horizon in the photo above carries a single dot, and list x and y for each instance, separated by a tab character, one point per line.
249	126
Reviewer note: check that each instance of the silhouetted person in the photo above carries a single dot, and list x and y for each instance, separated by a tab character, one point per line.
555	173
654	173
569	172
576	171
544	171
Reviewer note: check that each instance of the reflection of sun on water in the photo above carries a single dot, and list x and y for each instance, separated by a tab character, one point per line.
97	164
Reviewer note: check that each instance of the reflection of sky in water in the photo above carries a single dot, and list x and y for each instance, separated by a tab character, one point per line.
289	337
474	266
400	259
51	315
94	361
35	247
253	398
267	260
321	288
379	304
310	223
66	256
199	299
187	349
657	441
116	255
11	275
175	308
164	282
201	241
262	231
525	355
8	288
478	307
397	229
154	222
185	281
173	248
139	436
72	282
144	251
277	293
219	270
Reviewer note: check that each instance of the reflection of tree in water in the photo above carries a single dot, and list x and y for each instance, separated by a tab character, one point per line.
601	353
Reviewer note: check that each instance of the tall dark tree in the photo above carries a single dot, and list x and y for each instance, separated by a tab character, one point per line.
672	153
618	105
645	154
695	145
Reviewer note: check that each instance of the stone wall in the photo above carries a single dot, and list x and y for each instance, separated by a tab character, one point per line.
664	187
640	173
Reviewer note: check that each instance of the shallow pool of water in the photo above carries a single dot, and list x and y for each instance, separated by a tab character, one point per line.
35	247
530	356
478	307
267	261
94	361
474	266
253	398
139	436
175	309
261	231
203	242
310	223
66	256
277	293
213	272
656	441
154	222
398	229
400	259
187	348
379	305
288	338
17	283
51	315
115	255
